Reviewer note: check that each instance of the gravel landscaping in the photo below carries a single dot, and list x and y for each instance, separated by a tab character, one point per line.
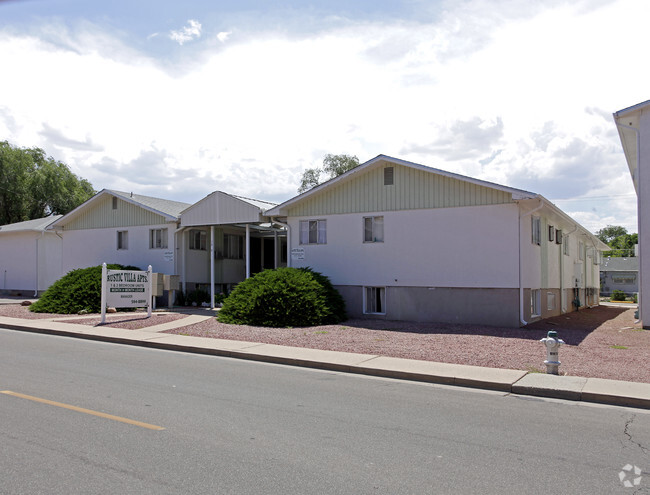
601	342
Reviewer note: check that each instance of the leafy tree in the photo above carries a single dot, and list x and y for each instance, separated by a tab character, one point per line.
33	185
611	232
333	165
619	240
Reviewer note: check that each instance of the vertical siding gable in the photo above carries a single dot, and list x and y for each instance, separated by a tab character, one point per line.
102	215
412	189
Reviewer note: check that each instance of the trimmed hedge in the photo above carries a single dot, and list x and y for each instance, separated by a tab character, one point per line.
79	291
284	297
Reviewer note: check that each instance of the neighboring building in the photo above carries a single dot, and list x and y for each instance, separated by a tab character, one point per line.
30	257
633	125
222	235
619	274
119	227
403	241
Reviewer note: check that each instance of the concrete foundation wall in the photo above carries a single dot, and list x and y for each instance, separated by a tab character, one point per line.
484	306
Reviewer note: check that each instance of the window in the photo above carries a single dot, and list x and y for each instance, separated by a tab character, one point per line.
122	239
558	236
581	250
536	226
158	239
313	232
551	233
389	176
114	203
198	240
535	302
233	247
565	244
375	300
373	229
550	301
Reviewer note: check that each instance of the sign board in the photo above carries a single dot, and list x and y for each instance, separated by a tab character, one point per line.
168	255
125	289
297	253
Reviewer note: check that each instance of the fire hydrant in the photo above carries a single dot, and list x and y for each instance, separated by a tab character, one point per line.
552	344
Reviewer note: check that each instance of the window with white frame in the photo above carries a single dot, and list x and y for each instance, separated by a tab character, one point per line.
114	203
550	301
158	239
233	247
565	244
551	233
373	229
122	239
374	300
536	226
313	231
535	302
198	240
581	250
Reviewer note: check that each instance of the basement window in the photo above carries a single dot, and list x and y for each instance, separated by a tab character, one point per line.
374	300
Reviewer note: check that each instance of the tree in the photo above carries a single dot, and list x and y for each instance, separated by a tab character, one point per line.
619	240
611	232
33	185
333	165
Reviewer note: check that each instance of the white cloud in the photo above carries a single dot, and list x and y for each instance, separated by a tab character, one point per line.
521	97
189	32
223	36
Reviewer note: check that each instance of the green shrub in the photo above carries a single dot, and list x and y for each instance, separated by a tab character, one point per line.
284	297
79	291
634	298
618	295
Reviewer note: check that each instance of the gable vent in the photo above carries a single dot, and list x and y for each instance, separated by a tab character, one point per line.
388	176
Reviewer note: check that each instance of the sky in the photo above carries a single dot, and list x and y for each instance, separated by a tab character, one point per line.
179	99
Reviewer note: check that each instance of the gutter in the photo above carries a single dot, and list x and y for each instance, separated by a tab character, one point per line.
521	287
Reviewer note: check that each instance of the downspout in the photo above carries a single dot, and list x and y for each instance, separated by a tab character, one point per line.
36	288
211	266
286	226
521	286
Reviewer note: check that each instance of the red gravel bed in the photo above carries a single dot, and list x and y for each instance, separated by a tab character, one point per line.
602	342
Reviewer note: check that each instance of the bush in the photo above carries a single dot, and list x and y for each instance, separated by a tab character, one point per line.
618	295
284	297
79	291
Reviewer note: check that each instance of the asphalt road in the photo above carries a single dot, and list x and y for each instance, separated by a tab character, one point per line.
242	427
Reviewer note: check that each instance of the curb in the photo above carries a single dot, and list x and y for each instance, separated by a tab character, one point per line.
594	390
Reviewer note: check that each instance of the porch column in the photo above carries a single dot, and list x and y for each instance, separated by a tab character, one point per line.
183	266
211	266
248	251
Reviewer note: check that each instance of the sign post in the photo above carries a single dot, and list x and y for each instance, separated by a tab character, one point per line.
125	289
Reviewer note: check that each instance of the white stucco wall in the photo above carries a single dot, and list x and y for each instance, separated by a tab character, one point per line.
91	247
444	247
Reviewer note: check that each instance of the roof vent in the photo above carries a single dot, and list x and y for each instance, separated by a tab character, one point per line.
388	176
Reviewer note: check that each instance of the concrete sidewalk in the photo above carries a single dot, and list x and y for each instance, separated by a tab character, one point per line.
597	390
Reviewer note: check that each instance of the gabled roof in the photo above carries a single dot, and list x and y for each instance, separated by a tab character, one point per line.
382	159
170	210
615	264
219	208
37	225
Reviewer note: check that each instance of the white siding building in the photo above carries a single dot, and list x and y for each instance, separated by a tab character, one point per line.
30	257
403	241
633	125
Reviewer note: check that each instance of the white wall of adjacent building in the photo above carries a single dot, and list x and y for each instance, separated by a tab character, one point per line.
443	247
91	247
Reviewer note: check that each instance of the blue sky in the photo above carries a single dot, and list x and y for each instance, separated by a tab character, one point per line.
178	99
